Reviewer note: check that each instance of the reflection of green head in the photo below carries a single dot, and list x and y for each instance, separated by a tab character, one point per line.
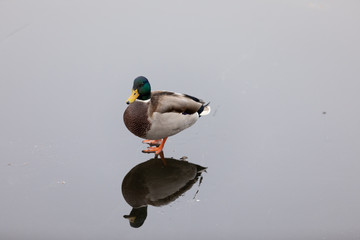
137	216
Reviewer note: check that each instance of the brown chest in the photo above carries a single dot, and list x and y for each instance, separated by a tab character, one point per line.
136	119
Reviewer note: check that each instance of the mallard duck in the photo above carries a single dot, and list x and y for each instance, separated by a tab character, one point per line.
157	115
149	183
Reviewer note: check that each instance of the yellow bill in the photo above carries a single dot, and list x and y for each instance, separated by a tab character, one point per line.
134	95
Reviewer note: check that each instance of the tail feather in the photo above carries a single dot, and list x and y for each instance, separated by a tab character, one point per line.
204	110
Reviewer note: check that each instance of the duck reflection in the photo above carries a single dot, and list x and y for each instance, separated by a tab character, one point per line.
152	183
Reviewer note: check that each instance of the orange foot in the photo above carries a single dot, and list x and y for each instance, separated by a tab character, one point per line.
157	149
152	142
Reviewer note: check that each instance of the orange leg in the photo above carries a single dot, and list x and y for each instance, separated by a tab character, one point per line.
158	149
152	142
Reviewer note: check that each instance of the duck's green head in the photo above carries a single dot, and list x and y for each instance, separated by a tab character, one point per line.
141	90
137	216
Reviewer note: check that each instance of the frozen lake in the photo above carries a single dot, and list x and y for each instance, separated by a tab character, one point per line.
281	144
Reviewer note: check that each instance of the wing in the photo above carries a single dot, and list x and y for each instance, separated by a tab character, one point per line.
163	101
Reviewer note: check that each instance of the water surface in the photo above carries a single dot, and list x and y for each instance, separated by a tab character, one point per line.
281	144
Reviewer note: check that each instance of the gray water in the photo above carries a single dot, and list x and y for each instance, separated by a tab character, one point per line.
281	144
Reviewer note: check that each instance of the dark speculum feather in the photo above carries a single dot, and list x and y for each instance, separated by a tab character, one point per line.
193	98
201	109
